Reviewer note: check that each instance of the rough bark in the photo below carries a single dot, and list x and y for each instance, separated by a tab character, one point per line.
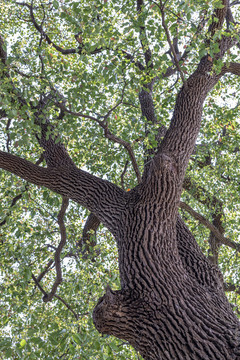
172	304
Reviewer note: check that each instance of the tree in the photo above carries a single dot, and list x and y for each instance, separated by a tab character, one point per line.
120	89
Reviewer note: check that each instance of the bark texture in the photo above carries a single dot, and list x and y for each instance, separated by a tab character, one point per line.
164	275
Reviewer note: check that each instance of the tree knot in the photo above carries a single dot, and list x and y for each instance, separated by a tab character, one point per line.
109	311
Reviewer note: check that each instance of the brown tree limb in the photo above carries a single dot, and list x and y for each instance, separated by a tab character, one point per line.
123	173
204	197
232	68
19	196
177	145
79	114
214	242
57	258
109	135
38	285
45	271
130	57
14	201
8	135
95	194
211	227
201	195
68	306
161	7
231	287
220	15
129	149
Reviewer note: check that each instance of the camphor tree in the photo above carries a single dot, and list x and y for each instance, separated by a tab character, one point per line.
119	89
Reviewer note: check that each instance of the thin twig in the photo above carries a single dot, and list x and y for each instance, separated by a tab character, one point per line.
57	297
69	307
38	285
108	134
118	103
129	149
123	173
161	7
8	135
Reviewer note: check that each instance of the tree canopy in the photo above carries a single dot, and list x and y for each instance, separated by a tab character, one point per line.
95	83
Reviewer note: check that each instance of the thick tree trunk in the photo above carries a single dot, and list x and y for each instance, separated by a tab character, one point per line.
172	304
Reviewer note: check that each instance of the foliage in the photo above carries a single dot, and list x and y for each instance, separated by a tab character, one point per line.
101	77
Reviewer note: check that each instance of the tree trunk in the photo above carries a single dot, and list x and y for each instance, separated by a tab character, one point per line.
171	304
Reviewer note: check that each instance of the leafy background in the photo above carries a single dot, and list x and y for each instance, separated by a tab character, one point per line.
92	85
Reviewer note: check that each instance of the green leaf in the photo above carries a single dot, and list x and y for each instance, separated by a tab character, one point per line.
77	339
23	343
56	4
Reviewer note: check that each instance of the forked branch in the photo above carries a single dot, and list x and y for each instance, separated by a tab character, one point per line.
56	296
176	60
108	134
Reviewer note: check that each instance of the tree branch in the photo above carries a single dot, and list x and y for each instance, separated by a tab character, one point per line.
218	17
211	227
231	287
109	135
129	149
214	242
14	201
176	60
58	280
201	195
123	173
232	68
44	35
97	195
18	197
56	296
45	271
